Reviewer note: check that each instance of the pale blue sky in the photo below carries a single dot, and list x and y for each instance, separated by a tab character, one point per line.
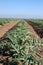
21	8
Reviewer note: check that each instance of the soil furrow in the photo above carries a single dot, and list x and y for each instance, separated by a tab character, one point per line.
34	34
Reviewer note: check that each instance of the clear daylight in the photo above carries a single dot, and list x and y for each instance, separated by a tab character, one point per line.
21	32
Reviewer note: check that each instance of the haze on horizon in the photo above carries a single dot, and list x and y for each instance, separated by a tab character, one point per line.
21	8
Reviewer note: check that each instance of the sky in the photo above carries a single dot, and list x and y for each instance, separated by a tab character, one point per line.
21	8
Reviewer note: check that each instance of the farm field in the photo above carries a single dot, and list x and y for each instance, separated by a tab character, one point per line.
37	25
21	42
6	20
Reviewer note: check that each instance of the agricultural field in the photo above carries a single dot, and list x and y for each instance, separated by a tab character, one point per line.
37	24
21	44
6	20
37	21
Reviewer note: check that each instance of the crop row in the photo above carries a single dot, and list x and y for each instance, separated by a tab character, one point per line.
19	43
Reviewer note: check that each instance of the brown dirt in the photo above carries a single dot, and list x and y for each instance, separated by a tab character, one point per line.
7	27
34	34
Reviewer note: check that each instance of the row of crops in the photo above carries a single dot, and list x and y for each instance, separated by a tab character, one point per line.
37	21
37	24
6	20
18	45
